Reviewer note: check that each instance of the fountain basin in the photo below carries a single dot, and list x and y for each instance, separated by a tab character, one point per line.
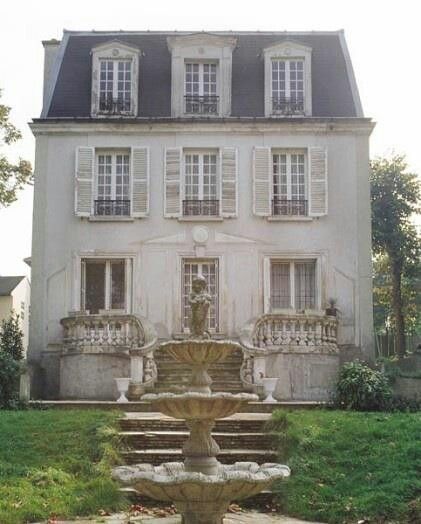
200	498
198	406
200	351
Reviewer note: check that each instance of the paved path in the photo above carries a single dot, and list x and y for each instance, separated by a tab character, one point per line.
249	517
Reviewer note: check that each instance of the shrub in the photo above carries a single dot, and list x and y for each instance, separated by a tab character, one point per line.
9	381
11	337
362	389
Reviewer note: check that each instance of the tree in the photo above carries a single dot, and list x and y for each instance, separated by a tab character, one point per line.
13	177
395	195
11	337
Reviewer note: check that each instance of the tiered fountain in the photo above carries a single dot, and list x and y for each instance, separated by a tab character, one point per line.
201	488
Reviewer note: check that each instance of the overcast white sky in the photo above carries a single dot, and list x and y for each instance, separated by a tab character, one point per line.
382	36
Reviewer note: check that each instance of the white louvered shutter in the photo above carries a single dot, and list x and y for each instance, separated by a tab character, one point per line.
318	182
84	178
172	182
229	180
140	182
261	181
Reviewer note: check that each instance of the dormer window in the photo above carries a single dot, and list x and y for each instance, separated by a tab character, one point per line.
201	90
115	74
201	75
287	87
287	80
115	86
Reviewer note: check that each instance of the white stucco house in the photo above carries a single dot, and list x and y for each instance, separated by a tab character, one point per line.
14	299
160	155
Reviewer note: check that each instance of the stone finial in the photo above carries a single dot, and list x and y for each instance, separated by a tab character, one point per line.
199	301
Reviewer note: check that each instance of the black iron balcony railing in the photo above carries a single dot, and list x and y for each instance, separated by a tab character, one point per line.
201	105
289	207
193	208
113	208
113	106
282	105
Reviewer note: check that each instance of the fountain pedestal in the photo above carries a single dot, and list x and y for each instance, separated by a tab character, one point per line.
201	488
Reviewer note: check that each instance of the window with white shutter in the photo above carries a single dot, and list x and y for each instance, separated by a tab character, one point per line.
172	182
318	195
261	181
84	179
140	182
113	191
229	181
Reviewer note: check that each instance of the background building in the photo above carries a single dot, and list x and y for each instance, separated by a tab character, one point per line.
14	297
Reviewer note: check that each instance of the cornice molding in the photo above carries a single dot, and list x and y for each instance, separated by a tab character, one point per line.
361	126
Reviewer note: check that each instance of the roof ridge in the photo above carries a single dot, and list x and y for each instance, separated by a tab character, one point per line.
187	32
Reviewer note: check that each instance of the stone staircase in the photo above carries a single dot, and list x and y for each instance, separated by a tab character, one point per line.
174	376
155	438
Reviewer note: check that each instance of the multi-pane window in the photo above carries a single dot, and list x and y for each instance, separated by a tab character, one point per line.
115	86
201	88
113	184
200	184
103	285
208	269
288	86
293	284
289	183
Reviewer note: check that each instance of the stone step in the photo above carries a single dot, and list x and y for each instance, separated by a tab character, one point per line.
146	407
152	422
227	456
175	439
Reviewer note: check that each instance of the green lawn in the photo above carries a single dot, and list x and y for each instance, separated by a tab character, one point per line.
348	467
56	463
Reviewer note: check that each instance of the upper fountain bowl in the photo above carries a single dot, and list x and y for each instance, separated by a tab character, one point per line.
200	351
199	406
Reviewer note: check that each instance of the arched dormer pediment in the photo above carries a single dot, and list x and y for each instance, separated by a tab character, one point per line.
115	64
201	65
287	79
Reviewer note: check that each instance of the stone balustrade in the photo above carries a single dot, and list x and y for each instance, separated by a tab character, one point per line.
307	331
104	333
115	334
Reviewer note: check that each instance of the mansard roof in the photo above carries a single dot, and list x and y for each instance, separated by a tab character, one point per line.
334	92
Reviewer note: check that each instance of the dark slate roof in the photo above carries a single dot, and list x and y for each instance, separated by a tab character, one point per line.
332	87
8	284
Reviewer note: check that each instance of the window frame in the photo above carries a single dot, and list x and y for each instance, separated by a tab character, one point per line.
114	153
205	260
288	50
115	81
114	51
79	280
289	152
201	153
291	258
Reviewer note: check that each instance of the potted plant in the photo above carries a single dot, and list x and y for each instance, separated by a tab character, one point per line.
332	310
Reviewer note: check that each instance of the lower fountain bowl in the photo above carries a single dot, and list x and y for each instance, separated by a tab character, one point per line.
198	406
170	482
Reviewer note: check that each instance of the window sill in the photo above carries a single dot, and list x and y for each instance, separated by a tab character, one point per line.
94	218
290	218
200	219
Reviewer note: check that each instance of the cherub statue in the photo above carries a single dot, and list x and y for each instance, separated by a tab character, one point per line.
199	301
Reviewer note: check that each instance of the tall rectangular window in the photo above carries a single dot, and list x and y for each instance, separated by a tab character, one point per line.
289	183
103	285
200	88
293	284
115	86
200	184
287	86
113	184
209	269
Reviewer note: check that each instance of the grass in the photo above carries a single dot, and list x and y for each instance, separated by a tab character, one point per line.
56	463
348	467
